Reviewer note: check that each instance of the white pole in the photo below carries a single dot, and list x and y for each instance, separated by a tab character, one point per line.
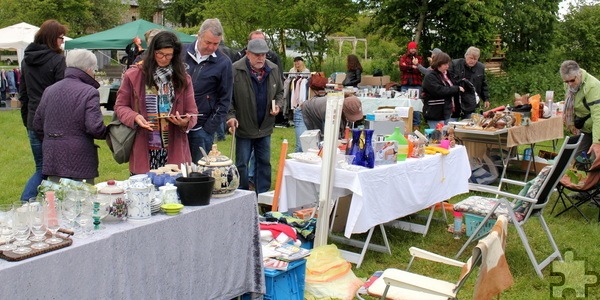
333	117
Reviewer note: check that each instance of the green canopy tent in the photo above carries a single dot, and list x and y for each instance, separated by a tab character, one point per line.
120	36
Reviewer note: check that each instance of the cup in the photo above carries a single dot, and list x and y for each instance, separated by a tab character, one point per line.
549	96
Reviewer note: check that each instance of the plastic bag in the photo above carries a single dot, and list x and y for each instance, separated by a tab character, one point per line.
328	275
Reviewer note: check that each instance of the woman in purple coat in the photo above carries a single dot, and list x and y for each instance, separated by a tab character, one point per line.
68	120
157	99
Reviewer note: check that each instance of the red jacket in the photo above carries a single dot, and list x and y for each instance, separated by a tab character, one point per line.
410	75
178	149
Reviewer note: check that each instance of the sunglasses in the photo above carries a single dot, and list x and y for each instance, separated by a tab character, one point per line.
570	81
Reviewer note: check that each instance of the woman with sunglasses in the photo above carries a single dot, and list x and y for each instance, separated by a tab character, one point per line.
43	65
157	99
582	105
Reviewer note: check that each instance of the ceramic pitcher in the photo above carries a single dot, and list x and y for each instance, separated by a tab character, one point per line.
138	201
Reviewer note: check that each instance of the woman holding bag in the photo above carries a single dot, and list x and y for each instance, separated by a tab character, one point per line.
157	99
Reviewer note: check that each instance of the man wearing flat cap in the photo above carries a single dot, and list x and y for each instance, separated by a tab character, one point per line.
257	99
314	109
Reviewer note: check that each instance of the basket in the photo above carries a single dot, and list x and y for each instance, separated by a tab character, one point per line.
472	221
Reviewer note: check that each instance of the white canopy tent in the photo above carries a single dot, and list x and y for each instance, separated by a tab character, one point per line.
17	37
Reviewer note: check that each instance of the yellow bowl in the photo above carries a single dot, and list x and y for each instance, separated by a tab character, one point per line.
171	208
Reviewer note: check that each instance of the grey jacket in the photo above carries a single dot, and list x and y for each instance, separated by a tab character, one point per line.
243	102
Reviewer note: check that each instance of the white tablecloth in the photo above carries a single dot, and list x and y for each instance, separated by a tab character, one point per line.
384	193
206	252
370	104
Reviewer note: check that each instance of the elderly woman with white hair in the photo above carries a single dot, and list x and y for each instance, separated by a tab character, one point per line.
582	105
68	120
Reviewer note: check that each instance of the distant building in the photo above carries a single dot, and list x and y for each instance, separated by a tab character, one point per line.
133	13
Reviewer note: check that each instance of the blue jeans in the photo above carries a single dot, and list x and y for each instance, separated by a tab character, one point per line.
35	180
416	114
300	127
197	139
221	131
262	167
433	123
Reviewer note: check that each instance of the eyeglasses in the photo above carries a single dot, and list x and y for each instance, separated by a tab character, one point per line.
163	55
570	81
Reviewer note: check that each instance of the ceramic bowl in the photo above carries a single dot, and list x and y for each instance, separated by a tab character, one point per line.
195	191
171	208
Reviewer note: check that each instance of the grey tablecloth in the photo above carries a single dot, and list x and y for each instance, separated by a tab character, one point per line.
206	252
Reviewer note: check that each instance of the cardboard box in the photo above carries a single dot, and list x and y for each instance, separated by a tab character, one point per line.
385	152
341	214
310	139
15	103
532	169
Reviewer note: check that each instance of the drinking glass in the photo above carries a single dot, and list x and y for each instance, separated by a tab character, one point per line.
71	206
84	219
38	224
52	217
101	209
6	227
21	227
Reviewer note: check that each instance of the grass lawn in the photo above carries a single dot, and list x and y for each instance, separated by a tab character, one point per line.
569	230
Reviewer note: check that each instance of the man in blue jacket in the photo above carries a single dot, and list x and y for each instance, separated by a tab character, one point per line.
212	78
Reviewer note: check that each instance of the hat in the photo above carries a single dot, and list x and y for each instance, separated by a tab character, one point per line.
435	51
318	83
257	46
297	58
352	109
412	45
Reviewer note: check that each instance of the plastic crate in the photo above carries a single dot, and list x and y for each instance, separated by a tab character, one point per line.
472	221
286	285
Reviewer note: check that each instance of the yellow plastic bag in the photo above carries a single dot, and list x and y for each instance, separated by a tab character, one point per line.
328	275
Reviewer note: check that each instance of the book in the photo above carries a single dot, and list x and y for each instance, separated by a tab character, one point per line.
275	264
287	252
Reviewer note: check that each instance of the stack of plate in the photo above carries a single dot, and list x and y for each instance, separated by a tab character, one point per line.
155	205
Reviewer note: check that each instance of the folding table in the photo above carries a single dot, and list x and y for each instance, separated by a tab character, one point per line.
382	194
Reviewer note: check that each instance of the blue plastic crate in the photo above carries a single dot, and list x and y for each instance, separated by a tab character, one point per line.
286	285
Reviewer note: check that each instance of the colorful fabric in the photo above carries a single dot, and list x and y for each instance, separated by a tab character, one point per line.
158	104
569	107
306	228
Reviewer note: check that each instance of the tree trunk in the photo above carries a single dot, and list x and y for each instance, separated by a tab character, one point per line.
421	24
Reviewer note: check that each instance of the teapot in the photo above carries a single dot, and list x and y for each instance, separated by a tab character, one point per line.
115	197
222	168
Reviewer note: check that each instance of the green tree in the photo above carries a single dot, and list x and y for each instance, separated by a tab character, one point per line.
187	13
578	36
81	16
527	29
451	25
313	21
148	8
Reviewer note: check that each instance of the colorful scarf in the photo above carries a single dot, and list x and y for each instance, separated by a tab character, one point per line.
569	112
159	101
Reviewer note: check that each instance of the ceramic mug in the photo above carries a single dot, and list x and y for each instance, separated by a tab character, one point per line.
169	194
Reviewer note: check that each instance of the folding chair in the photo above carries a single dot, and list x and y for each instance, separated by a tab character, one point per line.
522	207
494	274
585	183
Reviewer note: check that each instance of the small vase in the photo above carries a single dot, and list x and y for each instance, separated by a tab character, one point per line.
358	147
369	152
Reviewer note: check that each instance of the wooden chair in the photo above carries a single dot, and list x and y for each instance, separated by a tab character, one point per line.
522	207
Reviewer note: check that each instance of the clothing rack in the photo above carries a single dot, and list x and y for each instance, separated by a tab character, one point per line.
293	74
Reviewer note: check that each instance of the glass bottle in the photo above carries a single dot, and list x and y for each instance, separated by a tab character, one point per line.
369	151
458	221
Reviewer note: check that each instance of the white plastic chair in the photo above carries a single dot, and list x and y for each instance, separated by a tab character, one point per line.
398	284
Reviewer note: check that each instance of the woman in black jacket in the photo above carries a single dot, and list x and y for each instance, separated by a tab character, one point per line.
43	65
439	92
353	71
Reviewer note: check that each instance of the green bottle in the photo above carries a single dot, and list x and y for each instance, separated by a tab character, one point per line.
402	143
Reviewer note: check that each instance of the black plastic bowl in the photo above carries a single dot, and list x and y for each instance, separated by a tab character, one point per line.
195	191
